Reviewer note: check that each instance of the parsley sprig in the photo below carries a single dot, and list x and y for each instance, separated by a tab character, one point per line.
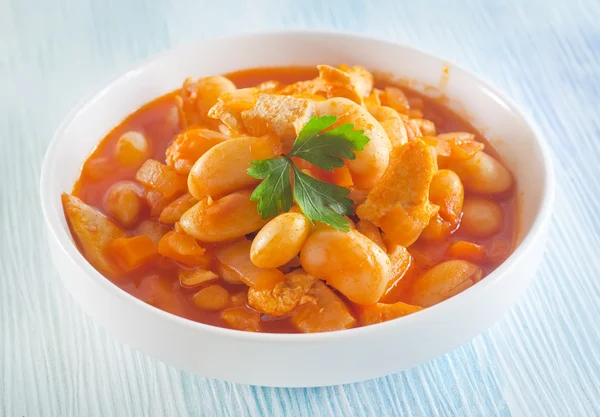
319	200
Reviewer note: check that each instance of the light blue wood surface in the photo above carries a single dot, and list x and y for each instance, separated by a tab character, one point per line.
542	359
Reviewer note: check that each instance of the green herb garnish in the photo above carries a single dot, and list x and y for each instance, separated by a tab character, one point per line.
319	200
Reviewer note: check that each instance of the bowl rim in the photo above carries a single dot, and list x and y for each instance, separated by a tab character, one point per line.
64	239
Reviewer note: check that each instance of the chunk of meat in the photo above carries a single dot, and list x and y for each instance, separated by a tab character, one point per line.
284	116
326	314
230	106
285	296
338	83
412	132
269	87
305	89
93	232
352	83
361	78
378	313
422	127
399	203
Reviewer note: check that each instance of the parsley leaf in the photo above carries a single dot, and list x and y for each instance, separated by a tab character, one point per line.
319	200
322	201
275	191
327	149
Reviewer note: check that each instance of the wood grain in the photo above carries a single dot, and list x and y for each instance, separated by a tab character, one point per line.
542	359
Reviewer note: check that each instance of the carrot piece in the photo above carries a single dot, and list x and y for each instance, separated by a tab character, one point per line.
327	313
183	248
131	252
339	176
301	163
173	212
467	251
161	178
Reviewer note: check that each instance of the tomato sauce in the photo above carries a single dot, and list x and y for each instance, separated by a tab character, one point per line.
158	121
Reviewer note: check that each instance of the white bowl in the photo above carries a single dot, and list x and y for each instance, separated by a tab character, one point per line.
299	360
